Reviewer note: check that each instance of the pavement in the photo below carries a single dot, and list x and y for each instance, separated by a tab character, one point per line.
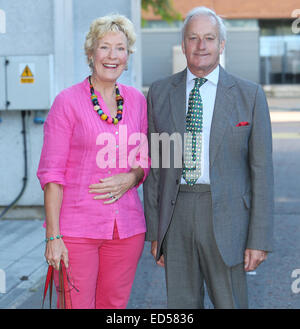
284	109
23	268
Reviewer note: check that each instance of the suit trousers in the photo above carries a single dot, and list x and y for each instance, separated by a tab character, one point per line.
192	257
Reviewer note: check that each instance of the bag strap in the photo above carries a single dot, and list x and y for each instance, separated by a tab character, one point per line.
63	290
67	295
49	280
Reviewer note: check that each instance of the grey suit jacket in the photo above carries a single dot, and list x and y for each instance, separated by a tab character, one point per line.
241	168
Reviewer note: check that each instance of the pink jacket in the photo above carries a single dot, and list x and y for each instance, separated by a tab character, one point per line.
79	149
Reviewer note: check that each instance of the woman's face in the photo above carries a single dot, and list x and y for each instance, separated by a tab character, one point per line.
110	57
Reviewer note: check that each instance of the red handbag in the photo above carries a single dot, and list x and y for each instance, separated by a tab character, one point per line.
63	289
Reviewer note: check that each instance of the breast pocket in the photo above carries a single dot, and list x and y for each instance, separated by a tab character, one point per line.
240	138
241	130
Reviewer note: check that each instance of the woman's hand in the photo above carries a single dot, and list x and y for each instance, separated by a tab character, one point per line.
114	187
55	251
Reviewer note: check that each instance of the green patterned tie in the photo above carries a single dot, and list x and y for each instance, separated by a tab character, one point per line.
193	139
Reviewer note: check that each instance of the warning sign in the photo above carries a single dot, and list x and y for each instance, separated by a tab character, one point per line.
27	74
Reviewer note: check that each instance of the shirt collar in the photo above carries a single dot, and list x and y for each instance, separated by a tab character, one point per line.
212	77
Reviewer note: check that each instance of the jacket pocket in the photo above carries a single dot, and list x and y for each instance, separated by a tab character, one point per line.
241	130
247	200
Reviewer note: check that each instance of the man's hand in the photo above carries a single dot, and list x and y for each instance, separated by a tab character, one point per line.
252	258
161	261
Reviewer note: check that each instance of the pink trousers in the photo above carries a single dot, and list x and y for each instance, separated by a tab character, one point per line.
101	272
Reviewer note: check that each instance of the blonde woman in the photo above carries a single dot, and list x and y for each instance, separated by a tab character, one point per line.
94	217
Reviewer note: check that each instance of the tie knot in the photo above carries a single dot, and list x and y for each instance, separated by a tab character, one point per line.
199	82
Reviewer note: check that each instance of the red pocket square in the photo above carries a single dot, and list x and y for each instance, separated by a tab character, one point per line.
243	123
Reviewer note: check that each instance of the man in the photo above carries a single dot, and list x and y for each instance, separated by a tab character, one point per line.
212	219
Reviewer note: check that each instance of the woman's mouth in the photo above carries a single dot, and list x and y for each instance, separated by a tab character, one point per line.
110	66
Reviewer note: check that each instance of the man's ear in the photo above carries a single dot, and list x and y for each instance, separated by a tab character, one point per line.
222	46
182	46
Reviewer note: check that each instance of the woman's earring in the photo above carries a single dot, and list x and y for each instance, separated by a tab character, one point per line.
126	67
91	63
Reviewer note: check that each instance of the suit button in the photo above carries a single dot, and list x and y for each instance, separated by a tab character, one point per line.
172	202
177	181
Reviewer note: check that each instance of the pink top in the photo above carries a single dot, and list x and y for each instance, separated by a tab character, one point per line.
80	148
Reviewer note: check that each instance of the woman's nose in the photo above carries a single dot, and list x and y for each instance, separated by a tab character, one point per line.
112	53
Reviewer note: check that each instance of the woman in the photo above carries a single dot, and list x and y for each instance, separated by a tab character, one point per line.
94	218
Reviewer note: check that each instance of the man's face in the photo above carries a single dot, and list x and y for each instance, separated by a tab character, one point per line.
201	45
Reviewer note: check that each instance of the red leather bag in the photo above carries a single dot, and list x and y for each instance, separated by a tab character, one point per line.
63	288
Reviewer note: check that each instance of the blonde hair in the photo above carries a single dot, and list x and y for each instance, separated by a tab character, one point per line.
110	23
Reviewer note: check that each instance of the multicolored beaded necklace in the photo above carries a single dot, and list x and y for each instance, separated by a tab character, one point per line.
98	109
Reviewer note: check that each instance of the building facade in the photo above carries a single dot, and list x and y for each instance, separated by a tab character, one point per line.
263	40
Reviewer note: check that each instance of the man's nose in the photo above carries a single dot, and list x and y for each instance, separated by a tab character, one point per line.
201	44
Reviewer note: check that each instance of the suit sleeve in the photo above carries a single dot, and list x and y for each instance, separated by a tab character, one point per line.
151	184
260	234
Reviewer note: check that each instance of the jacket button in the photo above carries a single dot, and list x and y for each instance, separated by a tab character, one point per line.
177	181
172	202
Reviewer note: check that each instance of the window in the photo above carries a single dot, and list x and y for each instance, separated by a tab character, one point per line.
279	52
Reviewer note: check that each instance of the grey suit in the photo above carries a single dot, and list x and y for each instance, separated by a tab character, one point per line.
241	169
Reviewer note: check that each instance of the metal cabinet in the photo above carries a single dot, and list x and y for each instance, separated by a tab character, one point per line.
2	84
27	82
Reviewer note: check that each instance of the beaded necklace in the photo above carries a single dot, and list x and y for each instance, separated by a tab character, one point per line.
97	108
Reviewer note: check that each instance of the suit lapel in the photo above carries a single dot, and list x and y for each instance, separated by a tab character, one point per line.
177	99
222	112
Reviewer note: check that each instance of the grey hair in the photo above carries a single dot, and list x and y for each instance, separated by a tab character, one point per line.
206	12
